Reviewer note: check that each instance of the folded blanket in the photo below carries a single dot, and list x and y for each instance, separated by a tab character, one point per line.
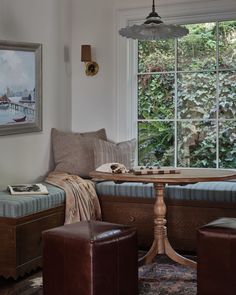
81	199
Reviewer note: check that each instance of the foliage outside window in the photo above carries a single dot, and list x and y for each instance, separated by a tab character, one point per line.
187	98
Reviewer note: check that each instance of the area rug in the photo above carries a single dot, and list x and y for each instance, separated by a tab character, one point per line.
29	285
163	277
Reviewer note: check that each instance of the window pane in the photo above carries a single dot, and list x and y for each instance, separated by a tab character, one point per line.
156	96
196	144
205	91
197	50
227	144
227	95
197	95
156	56
156	143
227	44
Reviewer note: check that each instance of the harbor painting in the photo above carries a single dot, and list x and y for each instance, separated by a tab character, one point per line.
20	87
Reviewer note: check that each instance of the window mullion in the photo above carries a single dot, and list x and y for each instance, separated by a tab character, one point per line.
217	94
176	110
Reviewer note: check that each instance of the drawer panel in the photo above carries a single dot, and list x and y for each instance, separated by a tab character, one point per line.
139	215
29	236
8	246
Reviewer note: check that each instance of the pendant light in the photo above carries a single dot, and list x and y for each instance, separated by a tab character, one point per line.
153	29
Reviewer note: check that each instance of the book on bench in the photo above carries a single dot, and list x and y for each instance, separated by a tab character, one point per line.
28	189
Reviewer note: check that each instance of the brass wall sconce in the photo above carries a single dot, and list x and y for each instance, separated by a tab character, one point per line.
91	67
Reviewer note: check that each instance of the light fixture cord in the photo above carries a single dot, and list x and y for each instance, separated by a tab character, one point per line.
153	6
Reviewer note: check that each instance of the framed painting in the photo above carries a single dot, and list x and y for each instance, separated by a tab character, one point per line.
20	87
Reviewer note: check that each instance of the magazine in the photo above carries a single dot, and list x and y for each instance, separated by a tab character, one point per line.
28	189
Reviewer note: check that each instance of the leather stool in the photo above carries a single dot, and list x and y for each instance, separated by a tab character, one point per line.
90	258
216	251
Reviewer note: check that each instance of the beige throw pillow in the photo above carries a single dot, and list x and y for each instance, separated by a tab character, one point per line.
73	152
108	152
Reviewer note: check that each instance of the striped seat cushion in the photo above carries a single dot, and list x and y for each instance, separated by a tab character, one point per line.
125	189
221	191
18	206
21	205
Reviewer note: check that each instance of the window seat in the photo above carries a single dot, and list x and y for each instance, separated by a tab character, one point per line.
23	218
188	207
15	206
215	191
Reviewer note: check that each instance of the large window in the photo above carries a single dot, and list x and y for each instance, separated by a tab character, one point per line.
186	96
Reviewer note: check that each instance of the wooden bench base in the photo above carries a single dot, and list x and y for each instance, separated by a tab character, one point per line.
21	244
184	217
21	241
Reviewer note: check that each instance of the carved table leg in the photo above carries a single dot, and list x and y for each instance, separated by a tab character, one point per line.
161	244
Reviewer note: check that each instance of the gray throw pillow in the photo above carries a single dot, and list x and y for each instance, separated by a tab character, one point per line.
108	152
73	152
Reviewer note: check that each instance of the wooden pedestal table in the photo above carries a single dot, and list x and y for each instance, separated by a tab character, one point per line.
161	243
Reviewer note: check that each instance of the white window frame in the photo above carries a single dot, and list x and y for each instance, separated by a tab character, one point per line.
126	96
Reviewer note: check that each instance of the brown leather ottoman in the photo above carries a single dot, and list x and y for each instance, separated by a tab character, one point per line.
90	258
216	251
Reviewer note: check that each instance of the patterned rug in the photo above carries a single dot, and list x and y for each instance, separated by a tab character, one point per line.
29	285
163	277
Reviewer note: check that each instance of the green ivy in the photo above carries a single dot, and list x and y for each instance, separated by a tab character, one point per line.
197	92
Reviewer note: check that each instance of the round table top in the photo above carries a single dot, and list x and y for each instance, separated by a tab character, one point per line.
189	175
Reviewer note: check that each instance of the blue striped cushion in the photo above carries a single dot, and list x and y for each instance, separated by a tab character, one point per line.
220	191
22	205
125	189
19	206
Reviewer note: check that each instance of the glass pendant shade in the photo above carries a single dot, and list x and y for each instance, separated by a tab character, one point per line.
153	29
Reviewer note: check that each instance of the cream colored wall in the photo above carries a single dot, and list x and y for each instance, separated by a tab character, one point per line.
25	157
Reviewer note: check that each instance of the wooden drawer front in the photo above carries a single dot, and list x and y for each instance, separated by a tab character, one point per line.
183	222
8	246
139	215
29	236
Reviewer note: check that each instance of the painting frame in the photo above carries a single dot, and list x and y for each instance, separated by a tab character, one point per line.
35	125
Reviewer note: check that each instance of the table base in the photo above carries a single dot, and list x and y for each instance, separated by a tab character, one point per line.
169	251
161	243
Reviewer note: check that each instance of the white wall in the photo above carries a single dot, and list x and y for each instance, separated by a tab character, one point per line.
25	157
93	97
